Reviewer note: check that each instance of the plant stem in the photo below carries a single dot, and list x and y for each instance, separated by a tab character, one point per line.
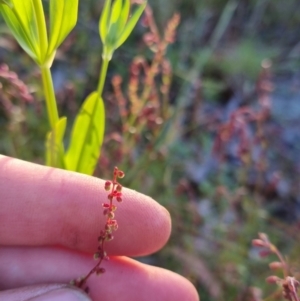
49	96
56	155
102	76
46	74
92	271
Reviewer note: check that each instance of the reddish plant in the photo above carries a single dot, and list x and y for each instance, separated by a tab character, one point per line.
288	283
240	121
115	193
146	106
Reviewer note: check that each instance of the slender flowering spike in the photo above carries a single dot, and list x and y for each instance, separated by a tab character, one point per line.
110	226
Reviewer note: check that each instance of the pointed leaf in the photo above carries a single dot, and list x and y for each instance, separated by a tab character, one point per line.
87	136
116	10
54	140
7	2
123	16
112	36
130	25
21	21
104	21
63	18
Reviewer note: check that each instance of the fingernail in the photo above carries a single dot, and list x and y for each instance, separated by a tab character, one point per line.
63	294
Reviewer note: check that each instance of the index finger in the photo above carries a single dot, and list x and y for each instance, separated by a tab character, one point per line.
46	206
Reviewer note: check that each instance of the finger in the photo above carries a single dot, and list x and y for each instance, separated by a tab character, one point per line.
53	292
124	279
47	206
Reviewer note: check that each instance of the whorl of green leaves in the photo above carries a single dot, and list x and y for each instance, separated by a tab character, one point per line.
26	20
115	26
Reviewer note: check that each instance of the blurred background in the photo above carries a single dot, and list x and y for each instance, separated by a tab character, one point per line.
203	107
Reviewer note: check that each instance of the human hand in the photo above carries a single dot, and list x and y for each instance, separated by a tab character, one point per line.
49	223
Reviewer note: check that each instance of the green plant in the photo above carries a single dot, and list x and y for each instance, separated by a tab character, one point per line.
144	106
27	22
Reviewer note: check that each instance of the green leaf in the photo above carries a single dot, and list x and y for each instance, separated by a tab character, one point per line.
130	25
112	36
123	16
87	136
104	21
7	2
21	21
54	140
63	18
116	10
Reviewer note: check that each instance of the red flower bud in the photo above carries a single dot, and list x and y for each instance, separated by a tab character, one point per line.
273	279
275	265
107	185
121	174
258	243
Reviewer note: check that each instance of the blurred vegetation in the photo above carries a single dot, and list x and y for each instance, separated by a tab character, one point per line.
224	173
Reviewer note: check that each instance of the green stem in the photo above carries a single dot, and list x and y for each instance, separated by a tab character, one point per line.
49	96
105	61
42	29
56	155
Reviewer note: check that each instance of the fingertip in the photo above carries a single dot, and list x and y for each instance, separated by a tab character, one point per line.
137	281
174	287
146	220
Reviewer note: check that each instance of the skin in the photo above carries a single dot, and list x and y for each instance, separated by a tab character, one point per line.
49	223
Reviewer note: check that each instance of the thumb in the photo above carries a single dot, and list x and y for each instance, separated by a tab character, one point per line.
56	292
